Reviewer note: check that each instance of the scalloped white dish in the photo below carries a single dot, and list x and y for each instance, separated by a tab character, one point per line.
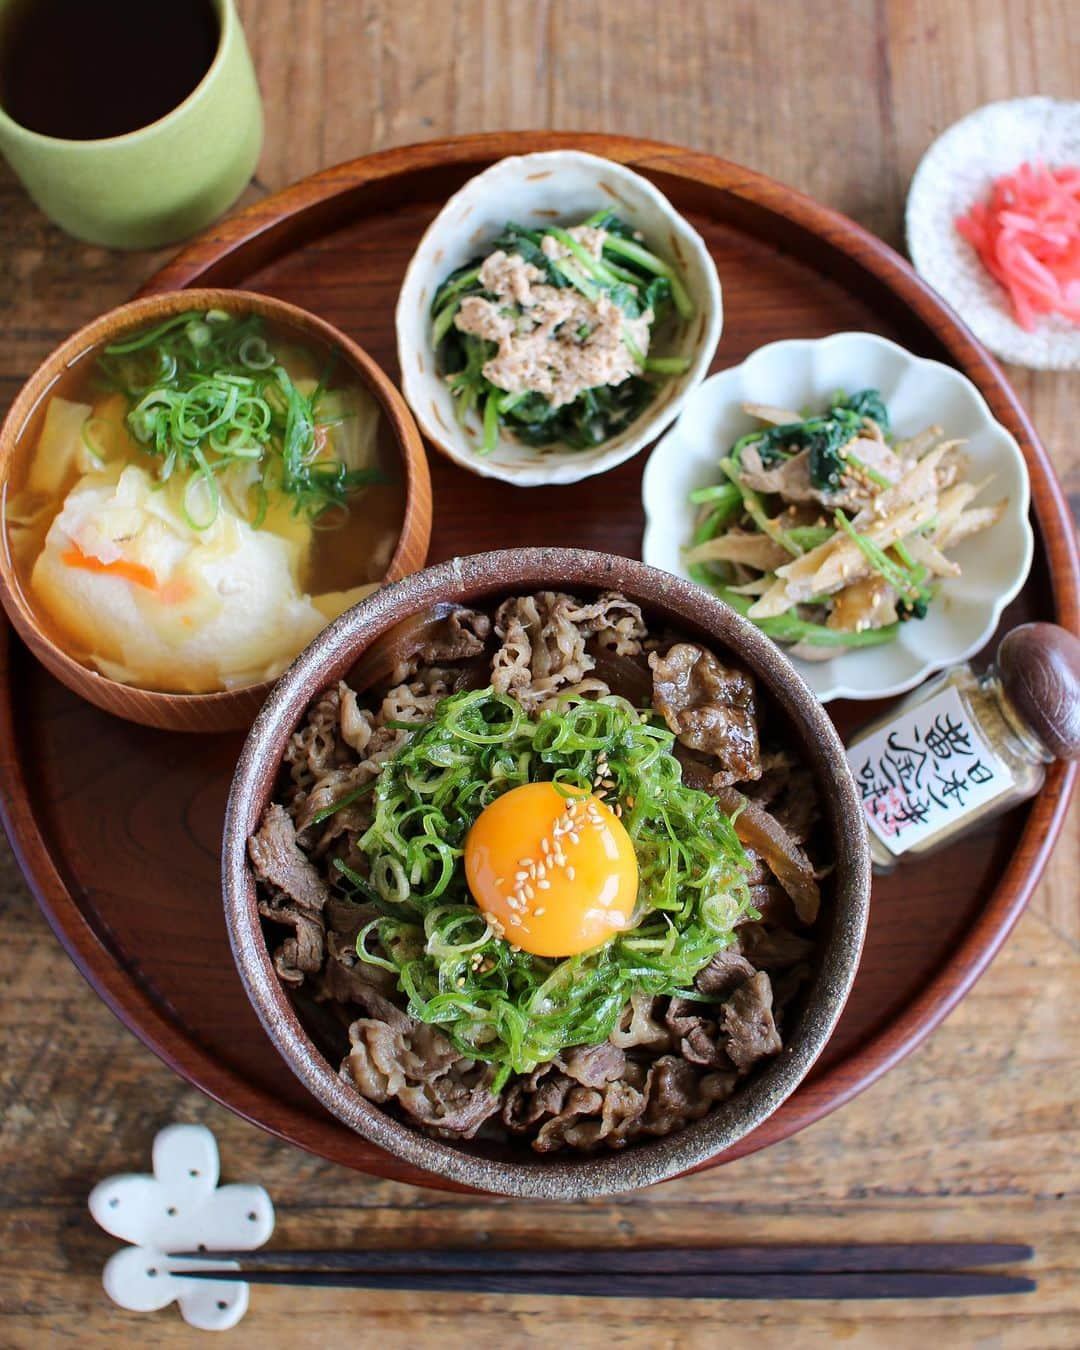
956	172
567	186
803	372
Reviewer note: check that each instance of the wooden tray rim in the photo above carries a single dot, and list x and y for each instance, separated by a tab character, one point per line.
275	220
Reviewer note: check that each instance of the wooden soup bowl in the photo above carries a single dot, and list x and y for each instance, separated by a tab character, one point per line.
484	579
227	709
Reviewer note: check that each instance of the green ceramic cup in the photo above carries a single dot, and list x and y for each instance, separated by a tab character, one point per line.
164	181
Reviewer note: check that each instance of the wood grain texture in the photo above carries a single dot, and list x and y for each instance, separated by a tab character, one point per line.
976	1135
339	241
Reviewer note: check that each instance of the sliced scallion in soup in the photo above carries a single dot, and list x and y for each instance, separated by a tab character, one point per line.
201	497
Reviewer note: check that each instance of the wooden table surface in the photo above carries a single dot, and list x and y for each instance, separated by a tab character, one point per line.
974	1136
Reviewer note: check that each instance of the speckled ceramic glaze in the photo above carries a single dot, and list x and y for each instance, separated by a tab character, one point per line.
482	580
568	186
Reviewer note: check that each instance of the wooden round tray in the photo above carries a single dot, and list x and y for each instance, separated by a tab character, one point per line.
117	827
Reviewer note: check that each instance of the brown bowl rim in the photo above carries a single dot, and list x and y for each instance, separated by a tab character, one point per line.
472	579
230	708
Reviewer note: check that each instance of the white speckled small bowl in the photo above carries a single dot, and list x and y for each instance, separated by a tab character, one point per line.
567	186
956	172
803	372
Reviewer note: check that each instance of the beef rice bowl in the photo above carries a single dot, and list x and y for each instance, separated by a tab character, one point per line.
547	872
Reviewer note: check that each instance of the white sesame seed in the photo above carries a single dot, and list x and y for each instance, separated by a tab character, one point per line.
544	885
530	894
538	912
570	874
521	876
575	838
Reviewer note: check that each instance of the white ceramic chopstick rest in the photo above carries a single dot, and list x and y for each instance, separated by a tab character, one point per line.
179	1208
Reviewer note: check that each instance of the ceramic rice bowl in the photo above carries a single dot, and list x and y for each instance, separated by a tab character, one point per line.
485	579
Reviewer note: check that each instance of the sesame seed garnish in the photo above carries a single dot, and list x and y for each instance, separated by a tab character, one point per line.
538	912
570	874
544	885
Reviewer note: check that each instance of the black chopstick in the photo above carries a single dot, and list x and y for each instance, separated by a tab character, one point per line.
837	1258
815	1285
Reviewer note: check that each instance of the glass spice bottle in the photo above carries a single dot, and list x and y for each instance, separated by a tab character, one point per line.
964	747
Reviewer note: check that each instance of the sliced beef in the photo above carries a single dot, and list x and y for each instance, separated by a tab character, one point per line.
279	861
580	1104
693	1028
639	1026
678	1093
747	1023
394	1057
302	954
348	984
543	652
593	1065
724	973
787	861
314	749
461	634
454	1105
710	708
344	978
771	948
534	1097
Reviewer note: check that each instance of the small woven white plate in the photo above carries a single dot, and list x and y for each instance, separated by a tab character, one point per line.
956	172
803	372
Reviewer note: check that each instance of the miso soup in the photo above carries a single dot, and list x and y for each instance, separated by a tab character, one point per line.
196	500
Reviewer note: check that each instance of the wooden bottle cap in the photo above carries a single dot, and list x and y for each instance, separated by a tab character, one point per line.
1039	668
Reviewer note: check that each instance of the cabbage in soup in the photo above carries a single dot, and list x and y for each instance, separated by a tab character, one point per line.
201	498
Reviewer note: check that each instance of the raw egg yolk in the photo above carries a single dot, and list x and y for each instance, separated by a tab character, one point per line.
556	875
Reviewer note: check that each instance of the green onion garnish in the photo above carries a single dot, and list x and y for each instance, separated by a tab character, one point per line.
497	1003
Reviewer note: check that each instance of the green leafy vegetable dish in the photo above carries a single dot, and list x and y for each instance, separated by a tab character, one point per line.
552	336
547	879
829	532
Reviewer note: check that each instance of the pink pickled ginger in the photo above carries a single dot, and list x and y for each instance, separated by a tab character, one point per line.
1028	237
